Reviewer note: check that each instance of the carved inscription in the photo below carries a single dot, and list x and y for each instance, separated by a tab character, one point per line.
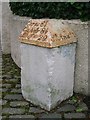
36	30
43	32
61	37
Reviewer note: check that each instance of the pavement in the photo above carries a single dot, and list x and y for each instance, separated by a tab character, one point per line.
15	106
0	82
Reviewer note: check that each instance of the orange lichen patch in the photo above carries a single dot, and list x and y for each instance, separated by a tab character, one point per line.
47	33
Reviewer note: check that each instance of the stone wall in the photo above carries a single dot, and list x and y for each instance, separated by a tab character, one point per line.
81	72
5	41
18	24
0	21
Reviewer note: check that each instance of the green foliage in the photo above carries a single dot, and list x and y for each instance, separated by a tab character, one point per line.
63	10
74	99
79	109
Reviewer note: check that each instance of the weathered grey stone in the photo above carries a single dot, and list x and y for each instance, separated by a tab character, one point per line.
51	115
6	85
6	14
18	24
16	90
6	76
17	77
18	86
82	106
4	117
35	110
0	95
53	82
13	97
81	73
74	115
66	108
11	80
0	102
0	85
81	31
70	102
13	111
0	117
22	116
4	90
4	102
18	103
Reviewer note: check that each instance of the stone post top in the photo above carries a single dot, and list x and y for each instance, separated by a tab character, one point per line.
48	33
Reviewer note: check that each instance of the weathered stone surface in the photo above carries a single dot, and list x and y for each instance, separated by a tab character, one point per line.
6	85
37	115
81	74
74	115
6	76
11	80
51	116
0	102
82	106
0	117
4	90
16	90
18	24
47	33
22	116
66	108
18	103
18	86
35	110
47	75
0	85
4	102
5	27
81	30
13	97
13	111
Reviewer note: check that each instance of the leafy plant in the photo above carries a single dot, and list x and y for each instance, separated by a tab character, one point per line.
79	109
58	10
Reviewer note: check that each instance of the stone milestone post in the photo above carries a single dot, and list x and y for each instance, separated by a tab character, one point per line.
47	62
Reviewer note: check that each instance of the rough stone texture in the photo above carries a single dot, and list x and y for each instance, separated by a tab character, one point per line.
5	41
47	75
0	81
6	85
11	80
18	24
81	72
18	103
35	110
13	111
13	97
82	106
22	116
18	86
74	115
55	116
66	108
4	90
0	21
4	102
16	90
